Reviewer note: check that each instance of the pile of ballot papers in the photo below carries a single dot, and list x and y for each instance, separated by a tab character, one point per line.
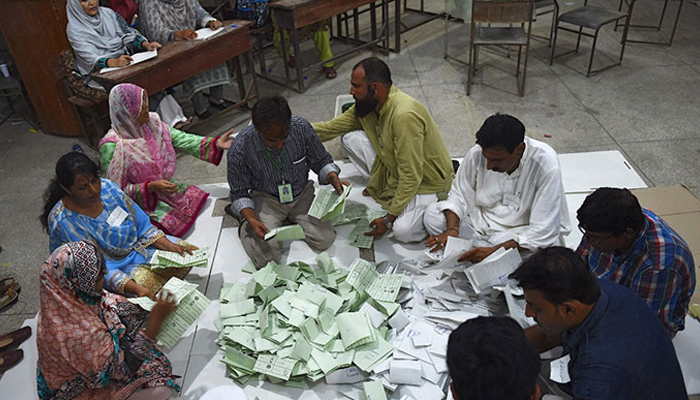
378	331
168	259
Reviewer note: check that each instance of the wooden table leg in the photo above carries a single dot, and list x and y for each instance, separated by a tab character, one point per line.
239	76
283	43
256	92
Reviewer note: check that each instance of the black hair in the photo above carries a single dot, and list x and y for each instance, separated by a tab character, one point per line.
376	70
68	167
501	130
559	274
611	210
271	112
489	358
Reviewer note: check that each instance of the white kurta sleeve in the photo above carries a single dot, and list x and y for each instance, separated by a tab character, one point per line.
545	216
462	196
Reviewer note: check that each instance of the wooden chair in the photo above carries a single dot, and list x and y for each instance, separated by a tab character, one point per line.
517	13
85	100
592	18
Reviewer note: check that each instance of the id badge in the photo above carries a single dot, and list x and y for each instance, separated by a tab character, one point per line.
117	216
285	193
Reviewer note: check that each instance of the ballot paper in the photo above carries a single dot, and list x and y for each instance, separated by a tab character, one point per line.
373	390
354	329
364	278
357	237
516	306
189	308
328	204
346	375
135	59
168	259
494	269
559	370
284	233
405	372
206	33
352	212
274	366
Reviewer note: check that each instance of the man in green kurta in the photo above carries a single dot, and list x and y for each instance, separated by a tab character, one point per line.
401	150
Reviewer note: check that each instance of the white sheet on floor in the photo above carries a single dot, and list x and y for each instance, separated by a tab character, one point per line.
197	357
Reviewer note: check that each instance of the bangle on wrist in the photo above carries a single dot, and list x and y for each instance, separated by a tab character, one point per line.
452	229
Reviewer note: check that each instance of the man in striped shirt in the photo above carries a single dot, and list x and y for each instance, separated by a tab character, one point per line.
634	247
268	174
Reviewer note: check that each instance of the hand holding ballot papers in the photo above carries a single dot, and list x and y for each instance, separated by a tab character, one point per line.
190	304
168	259
328	204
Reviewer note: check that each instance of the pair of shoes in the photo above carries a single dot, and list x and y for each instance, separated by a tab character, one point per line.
330	72
12	340
204	115
9	359
222	105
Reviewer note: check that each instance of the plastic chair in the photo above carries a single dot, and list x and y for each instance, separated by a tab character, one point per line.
500	12
594	18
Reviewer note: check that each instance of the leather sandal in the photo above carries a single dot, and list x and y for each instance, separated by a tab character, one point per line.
13	339
8	298
330	72
8	283
9	359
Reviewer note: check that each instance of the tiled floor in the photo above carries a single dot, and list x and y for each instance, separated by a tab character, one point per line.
647	108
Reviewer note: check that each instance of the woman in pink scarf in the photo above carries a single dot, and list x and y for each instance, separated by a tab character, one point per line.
138	154
94	344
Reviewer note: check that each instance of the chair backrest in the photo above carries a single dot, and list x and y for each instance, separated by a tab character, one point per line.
508	12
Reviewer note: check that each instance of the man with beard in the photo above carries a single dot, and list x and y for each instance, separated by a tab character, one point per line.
508	193
399	149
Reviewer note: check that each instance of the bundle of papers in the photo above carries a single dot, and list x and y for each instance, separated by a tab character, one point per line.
206	33
353	212
287	232
168	259
191	303
296	323
494	269
135	59
328	204
357	237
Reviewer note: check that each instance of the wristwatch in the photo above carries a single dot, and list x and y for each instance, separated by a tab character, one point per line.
389	224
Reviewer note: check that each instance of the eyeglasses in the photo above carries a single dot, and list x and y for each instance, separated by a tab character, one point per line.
590	240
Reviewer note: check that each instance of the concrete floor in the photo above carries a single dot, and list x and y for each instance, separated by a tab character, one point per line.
647	108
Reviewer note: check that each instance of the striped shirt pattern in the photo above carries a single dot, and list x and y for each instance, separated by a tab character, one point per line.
250	165
659	267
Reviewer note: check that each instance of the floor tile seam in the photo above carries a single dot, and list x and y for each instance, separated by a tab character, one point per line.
679	139
627	156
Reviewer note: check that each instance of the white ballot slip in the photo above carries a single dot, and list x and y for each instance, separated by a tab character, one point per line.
559	370
206	33
135	59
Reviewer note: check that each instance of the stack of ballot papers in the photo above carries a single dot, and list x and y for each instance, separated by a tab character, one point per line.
168	259
191	303
357	237
328	204
494	269
296	323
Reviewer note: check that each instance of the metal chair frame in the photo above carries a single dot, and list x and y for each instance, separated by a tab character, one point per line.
580	33
500	12
657	26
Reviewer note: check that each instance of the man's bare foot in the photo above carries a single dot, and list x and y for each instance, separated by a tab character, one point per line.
365	192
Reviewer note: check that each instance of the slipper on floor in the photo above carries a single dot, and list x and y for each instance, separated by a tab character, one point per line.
330	72
8	283
14	339
8	298
9	359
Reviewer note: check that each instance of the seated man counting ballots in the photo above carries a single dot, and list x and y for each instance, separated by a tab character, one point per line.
627	244
508	193
399	149
617	347
268	174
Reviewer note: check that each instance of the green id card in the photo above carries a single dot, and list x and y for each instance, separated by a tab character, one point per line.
285	193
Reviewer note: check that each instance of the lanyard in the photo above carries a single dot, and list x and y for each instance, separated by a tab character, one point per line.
280	167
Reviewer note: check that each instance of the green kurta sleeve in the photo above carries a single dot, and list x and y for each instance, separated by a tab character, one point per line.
202	147
343	123
106	153
409	136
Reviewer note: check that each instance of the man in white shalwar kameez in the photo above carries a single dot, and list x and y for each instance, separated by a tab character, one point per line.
508	193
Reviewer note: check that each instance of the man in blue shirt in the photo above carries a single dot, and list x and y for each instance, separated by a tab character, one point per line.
618	349
268	173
